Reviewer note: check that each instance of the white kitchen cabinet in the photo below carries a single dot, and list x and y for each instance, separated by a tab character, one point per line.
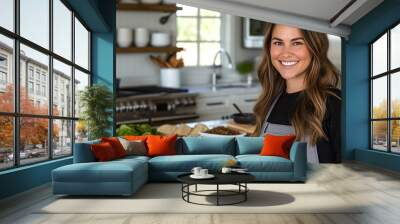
220	105
246	102
212	107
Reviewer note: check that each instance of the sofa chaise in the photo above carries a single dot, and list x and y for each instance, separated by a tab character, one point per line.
125	176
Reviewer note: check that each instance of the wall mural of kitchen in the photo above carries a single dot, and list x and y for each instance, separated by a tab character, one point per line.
188	71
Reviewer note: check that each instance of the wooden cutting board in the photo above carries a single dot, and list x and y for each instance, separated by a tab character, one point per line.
248	128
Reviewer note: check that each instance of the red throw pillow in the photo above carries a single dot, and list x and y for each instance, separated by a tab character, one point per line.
103	152
135	137
277	145
161	145
116	145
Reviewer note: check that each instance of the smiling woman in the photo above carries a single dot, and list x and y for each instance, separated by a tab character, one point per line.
299	91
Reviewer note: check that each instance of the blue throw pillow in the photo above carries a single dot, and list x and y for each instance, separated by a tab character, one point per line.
206	145
249	145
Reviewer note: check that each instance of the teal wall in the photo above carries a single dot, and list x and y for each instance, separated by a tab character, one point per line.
356	85
103	52
99	15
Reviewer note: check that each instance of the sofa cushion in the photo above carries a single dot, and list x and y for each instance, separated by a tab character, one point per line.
83	153
277	145
135	137
257	163
132	158
185	163
161	145
135	147
103	152
112	171
206	145
116	145
249	145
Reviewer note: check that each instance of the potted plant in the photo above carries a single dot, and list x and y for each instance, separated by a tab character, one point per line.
246	68
96	102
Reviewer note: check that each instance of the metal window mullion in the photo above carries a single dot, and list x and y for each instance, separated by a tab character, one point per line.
16	84
50	81
73	83
371	131
198	37
389	106
89	59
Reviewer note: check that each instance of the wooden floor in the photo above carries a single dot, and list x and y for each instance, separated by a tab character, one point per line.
378	188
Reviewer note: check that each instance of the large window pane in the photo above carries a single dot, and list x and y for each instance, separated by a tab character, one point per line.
379	56
379	135
379	98
7	14
81	45
62	89
207	52
81	131
35	21
204	12
81	81
210	29
395	136
62	29
189	54
395	95
33	139
186	11
395	47
34	96
187	29
62	138
6	74
6	142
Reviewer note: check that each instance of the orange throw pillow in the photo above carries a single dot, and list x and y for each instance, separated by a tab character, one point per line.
103	152
277	145
135	137
161	145
116	145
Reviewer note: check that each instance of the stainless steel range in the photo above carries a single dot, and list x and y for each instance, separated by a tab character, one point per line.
155	105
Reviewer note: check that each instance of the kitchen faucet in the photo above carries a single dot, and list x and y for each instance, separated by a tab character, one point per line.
214	75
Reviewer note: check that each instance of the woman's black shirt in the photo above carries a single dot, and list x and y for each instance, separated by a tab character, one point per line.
328	149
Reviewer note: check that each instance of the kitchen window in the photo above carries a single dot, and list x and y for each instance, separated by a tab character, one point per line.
199	33
43	45
384	91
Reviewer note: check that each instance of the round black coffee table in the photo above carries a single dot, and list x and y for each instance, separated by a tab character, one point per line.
238	179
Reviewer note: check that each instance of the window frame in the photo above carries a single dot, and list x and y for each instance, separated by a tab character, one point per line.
16	115
388	74
198	40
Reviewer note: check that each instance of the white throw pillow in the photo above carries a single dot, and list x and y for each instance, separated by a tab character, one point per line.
137	147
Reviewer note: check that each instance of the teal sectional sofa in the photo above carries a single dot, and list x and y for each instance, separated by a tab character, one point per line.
125	176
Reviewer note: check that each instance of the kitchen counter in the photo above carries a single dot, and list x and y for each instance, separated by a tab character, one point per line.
210	124
224	89
248	128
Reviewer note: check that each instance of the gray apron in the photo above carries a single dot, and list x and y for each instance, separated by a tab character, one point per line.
280	129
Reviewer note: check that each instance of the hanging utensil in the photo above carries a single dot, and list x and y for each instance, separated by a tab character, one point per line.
163	20
237	108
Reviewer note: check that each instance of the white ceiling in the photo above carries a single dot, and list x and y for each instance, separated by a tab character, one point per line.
318	15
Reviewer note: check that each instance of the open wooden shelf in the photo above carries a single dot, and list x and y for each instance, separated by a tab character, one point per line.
148	7
148	49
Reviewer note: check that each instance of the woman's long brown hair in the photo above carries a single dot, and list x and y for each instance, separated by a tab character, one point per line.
321	76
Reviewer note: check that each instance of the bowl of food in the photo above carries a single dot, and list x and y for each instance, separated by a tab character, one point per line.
222	131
